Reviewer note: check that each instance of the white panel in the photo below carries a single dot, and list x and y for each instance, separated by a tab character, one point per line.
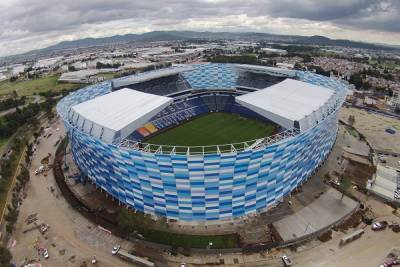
124	110
280	120
87	126
265	69
80	122
108	135
96	130
289	101
147	76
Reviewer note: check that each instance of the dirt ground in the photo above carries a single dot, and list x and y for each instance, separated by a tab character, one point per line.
369	250
71	239
373	126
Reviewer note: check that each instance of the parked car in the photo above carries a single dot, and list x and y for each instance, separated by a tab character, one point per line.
390	263
286	261
43	228
39	170
378	226
391	131
395	227
115	249
46	254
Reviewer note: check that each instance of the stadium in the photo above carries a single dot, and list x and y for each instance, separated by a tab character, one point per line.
204	142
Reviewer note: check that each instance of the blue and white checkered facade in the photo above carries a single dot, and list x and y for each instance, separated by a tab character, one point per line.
201	187
212	76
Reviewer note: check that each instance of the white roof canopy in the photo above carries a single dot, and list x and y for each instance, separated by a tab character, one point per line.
266	70
290	103
116	115
150	75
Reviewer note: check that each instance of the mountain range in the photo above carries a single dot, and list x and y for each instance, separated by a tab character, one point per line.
192	35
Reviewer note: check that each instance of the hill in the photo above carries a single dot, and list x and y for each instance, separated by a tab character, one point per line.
193	35
188	35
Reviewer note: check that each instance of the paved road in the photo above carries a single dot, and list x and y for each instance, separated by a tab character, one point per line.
71	239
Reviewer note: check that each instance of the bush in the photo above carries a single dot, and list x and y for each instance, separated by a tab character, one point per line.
5	256
130	222
191	241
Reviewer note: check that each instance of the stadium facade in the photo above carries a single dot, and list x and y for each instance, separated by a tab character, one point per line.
204	183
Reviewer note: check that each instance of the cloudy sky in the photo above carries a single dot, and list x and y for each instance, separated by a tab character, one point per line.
32	24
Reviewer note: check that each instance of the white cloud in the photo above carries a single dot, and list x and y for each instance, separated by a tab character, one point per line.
32	24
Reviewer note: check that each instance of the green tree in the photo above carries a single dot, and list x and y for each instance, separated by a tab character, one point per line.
356	79
14	94
345	185
5	256
71	68
129	221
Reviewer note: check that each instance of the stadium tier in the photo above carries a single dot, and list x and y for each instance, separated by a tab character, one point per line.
161	86
256	80
222	183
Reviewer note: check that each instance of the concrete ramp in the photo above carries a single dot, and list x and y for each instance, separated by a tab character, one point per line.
328	209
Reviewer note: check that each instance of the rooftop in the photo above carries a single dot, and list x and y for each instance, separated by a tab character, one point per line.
150	75
117	114
288	101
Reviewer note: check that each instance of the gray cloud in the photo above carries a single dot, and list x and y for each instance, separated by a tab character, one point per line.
29	24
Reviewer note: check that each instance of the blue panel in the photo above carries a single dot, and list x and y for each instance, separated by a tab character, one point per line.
202	187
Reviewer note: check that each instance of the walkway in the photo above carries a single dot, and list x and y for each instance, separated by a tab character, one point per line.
320	214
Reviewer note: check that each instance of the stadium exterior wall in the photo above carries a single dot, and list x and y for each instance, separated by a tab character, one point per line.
199	187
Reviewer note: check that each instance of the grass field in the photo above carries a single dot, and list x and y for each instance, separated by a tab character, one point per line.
192	241
214	129
30	87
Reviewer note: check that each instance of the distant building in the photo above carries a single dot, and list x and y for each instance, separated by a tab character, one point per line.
47	63
285	65
274	51
18	69
178	57
3	77
369	101
386	183
81	76
80	65
137	65
395	100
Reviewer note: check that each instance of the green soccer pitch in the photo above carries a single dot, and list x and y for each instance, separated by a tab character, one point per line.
214	129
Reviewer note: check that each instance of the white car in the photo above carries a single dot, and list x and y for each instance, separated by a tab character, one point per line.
286	261
46	254
115	249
